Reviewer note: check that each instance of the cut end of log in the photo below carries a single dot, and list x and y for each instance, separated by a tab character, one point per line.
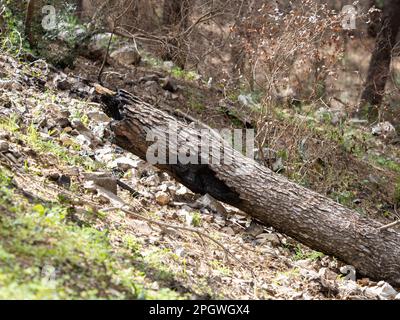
103	91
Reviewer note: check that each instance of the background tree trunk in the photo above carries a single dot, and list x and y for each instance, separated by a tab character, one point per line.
307	216
375	19
379	67
176	13
176	20
79	8
29	17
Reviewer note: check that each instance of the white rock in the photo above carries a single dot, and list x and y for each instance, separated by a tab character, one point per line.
189	219
124	163
371	293
180	252
309	274
382	290
6	84
99	41
83	140
245	100
397	297
385	129
104	155
304	263
168	65
349	288
163	187
99	130
151	181
387	291
182	190
182	212
209	202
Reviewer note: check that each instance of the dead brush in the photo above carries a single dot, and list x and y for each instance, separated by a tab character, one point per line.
291	54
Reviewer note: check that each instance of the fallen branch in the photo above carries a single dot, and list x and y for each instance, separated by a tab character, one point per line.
311	218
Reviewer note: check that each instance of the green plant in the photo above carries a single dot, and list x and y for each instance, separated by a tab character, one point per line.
12	40
396	197
184	74
45	255
33	138
344	197
219	266
300	254
196	219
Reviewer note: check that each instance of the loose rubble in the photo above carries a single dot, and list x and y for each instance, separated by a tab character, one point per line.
284	269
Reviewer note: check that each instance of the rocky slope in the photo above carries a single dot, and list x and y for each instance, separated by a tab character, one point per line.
81	218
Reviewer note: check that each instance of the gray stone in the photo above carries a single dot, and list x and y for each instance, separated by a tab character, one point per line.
181	191
271	238
385	129
168	84
209	202
254	229
98	116
124	163
245	100
228	230
168	65
127	55
278	166
4	146
382	290
101	179
63	122
304	263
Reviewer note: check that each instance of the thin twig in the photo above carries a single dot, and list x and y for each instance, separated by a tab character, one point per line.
105	57
193	230
385	227
389	225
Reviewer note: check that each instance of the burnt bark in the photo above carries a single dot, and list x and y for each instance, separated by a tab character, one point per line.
379	67
305	215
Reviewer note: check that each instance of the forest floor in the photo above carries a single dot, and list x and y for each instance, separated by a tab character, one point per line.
62	234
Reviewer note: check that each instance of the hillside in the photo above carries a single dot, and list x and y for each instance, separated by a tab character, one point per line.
315	82
63	236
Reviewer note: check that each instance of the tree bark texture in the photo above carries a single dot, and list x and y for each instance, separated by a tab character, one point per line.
305	215
379	67
29	17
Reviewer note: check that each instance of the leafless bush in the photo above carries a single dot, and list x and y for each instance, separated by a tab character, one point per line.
291	51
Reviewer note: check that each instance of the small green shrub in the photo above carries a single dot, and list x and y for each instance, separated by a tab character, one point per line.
396	197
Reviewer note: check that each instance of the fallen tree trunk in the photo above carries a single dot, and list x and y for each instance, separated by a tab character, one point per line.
307	216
